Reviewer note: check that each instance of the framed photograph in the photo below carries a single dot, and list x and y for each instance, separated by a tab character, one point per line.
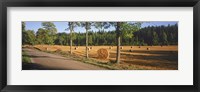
85	45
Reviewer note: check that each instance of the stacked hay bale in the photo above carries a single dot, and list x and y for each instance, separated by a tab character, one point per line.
103	53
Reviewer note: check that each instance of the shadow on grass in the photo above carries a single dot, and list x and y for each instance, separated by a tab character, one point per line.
151	52
162	59
33	56
33	66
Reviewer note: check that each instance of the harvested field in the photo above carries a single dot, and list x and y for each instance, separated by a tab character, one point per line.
142	57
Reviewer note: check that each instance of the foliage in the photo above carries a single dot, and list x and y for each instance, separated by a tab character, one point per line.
29	37
25	58
151	35
44	37
158	35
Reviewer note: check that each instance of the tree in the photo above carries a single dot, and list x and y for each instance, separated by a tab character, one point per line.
23	26
71	26
44	37
87	26
155	38
124	29
29	37
165	41
61	39
90	42
23	32
101	26
51	28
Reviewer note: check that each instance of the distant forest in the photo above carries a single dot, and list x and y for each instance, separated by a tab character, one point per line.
151	35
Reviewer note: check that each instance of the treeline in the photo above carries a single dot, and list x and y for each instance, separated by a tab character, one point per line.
151	35
159	35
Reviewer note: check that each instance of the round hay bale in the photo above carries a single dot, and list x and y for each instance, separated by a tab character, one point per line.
88	49
148	48
47	48
103	53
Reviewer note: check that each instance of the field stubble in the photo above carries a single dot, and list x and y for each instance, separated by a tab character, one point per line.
132	57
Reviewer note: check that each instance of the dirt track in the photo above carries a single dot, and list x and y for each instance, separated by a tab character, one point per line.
56	62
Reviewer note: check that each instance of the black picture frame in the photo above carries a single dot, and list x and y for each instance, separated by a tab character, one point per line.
100	3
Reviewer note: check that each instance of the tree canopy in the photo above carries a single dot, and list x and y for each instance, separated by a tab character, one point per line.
150	35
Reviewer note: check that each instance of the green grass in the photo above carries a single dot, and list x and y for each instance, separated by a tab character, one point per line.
25	59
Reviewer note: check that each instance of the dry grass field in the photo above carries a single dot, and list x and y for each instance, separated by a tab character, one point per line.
141	57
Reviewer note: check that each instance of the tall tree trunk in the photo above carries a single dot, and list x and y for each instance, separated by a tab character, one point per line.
118	43
70	38
87	39
70	46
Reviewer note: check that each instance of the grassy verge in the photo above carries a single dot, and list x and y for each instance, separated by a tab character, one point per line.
25	58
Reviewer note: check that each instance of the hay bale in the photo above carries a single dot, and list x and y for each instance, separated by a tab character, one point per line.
103	53
75	48
47	48
131	46
88	49
148	48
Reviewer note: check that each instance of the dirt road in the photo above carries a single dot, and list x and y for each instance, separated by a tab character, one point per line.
56	62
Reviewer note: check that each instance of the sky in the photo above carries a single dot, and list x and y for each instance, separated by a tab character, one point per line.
61	26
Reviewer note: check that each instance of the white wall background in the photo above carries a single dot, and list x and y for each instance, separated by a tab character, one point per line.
182	76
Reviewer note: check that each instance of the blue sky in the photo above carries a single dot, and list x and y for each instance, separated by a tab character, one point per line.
61	26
